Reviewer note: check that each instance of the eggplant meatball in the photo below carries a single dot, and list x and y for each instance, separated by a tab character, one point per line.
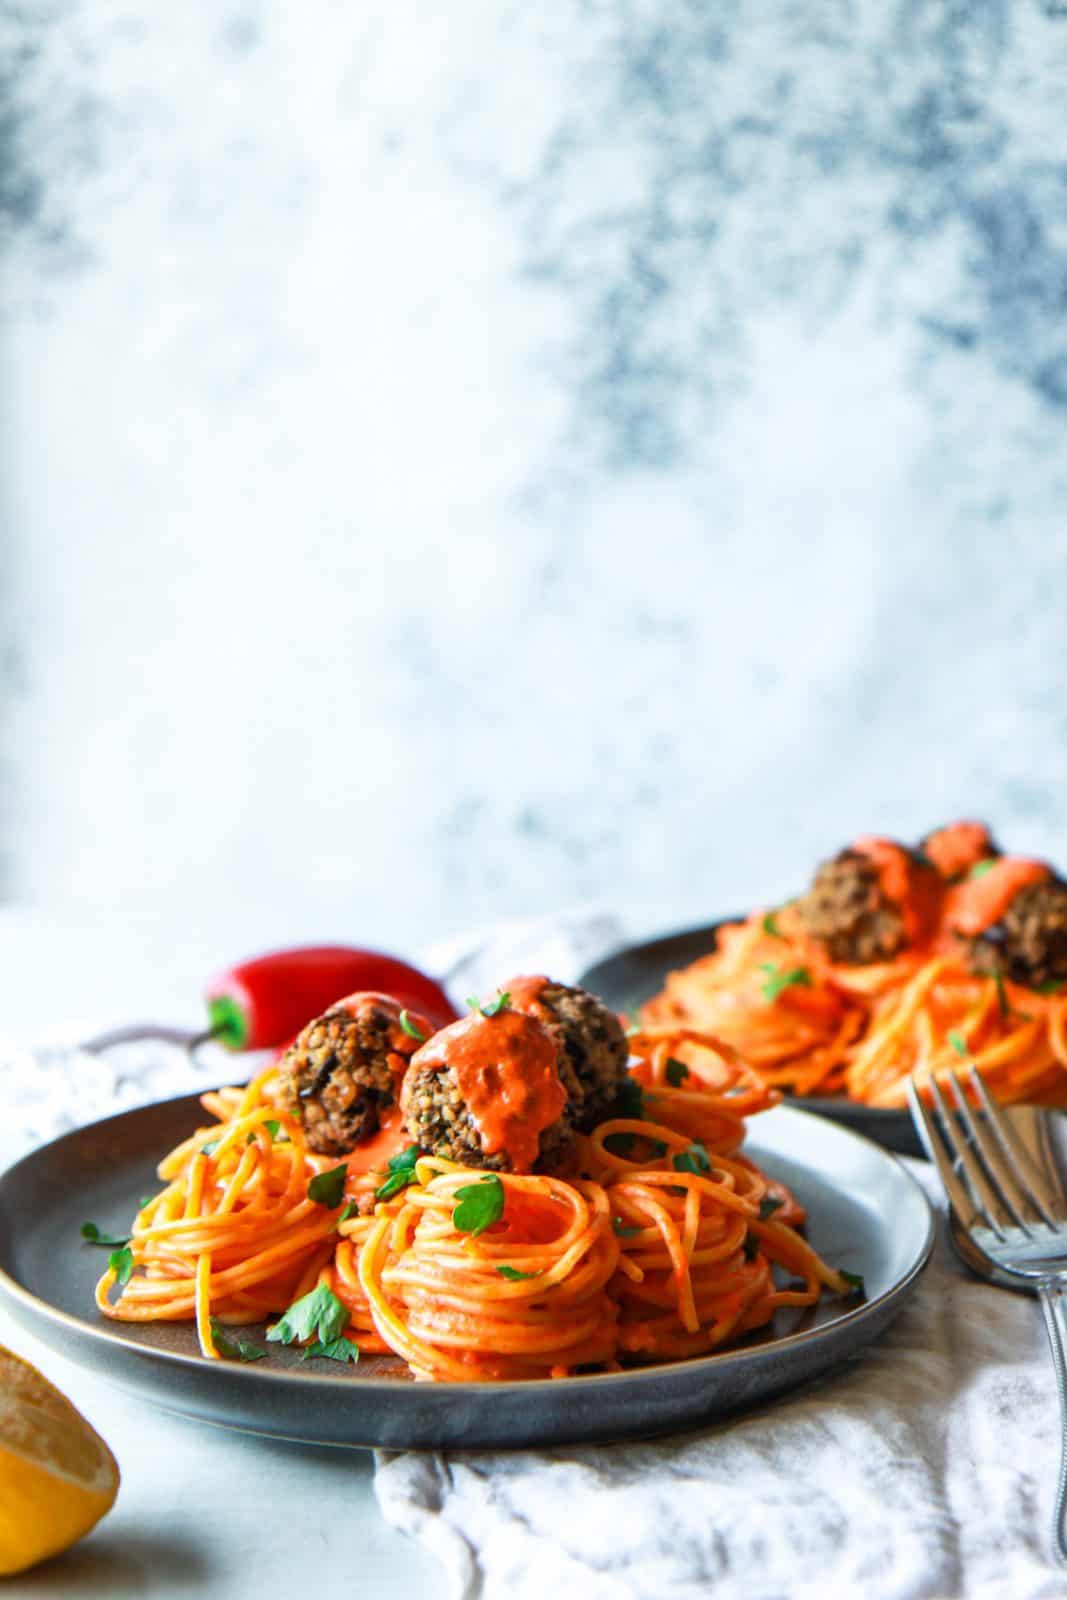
870	902
591	1036
345	1069
958	847
488	1091
1012	923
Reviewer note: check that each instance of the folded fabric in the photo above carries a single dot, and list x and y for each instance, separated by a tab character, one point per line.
923	1469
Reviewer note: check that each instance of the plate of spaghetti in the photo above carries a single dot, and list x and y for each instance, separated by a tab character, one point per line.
894	960
530	1226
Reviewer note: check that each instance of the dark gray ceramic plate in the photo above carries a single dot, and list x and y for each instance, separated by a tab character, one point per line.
634	974
865	1214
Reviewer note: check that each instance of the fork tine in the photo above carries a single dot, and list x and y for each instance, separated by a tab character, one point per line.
988	1203
1000	1171
941	1156
1026	1174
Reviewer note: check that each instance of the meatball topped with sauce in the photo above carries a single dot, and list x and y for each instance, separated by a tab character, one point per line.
870	902
958	847
590	1034
489	1091
343	1071
1012	922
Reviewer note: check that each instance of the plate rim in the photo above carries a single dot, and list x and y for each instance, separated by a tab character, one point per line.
252	1374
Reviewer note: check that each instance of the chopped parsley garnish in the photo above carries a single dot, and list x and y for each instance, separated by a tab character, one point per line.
410	1028
272	1126
677	1072
1050	986
332	1350
778	981
318	1315
770	926
492	1007
635	1024
210	1148
629	1101
350	1210
327	1188
751	1246
92	1235
623	1230
145	1200
695	1160
768	1206
234	1349
513	1275
401	1173
1005	1005
121	1264
980	869
958	1042
853	1279
480	1205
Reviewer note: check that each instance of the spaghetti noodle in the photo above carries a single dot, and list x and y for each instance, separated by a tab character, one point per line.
660	1241
813	1026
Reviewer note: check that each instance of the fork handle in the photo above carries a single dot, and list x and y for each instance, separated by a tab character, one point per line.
1053	1295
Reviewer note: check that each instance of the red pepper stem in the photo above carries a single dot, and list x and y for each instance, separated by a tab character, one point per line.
229	1023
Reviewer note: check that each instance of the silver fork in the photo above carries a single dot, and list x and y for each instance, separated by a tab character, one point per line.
1009	1213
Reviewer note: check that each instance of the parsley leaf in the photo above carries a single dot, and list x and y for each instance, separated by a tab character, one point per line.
332	1350
272	1126
623	1231
232	1349
629	1101
1002	994
210	1148
350	1210
958	1042
513	1275
410	1028
121	1264
751	1246
92	1235
777	981
318	1315
327	1188
853	1279
1050	986
695	1159
980	868
1004	1004
768	1206
677	1072
492	1007
145	1200
480	1205
770	926
401	1173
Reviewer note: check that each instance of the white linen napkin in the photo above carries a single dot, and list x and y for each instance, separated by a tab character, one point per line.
923	1469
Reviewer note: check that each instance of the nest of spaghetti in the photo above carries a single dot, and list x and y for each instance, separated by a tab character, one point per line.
895	961
654	1237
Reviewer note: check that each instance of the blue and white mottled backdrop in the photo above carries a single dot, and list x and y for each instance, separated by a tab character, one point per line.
461	460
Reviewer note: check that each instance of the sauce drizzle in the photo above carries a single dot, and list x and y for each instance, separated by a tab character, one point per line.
506	1068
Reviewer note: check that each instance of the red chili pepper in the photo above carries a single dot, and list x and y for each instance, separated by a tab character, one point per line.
264	1002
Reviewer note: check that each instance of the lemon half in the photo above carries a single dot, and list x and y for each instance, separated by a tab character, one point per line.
57	1476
